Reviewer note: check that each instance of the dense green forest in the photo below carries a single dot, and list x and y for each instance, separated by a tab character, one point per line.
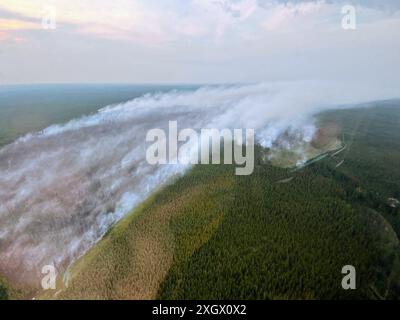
372	156
277	234
285	241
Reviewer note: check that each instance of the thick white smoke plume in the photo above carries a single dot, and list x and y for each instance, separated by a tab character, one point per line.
61	189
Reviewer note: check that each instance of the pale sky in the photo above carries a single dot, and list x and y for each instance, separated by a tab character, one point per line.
198	41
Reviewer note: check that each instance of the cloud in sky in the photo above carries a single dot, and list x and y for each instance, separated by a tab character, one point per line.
159	21
380	4
195	40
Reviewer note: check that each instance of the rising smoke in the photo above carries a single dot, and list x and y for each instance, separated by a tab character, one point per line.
61	189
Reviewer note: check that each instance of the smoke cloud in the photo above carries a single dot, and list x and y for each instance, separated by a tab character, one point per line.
61	189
